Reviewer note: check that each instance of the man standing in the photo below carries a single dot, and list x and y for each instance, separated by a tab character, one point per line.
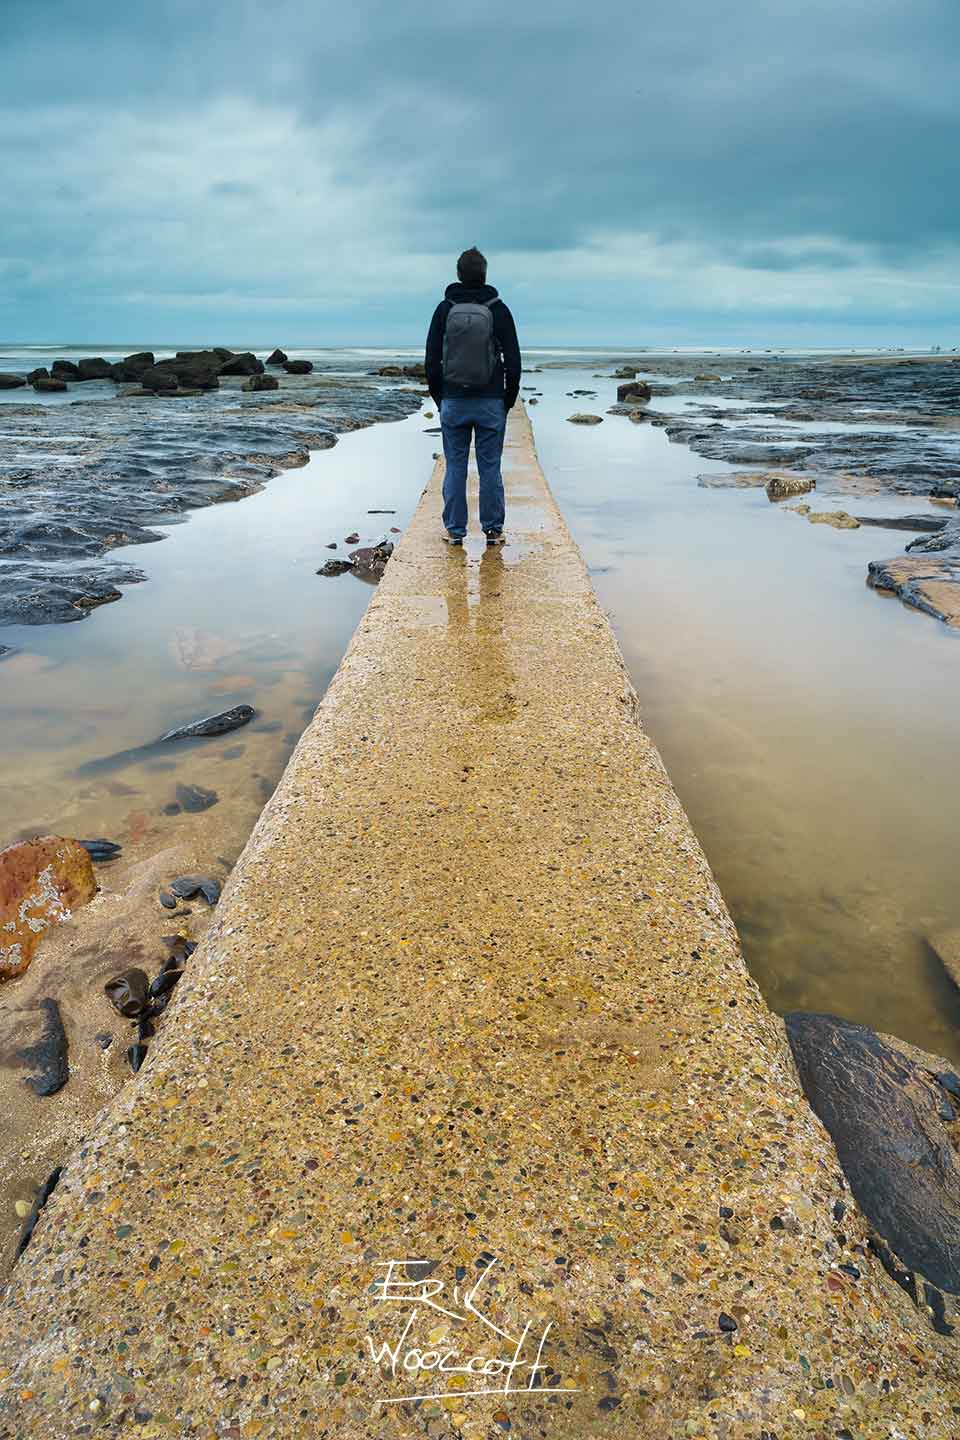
473	373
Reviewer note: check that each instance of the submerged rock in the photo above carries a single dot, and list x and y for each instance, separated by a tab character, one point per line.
219	724
187	886
298	367
945	944
585	419
127	993
48	1056
195	797
42	882
839	519
883	1113
11	382
46	385
101	850
335	567
261	382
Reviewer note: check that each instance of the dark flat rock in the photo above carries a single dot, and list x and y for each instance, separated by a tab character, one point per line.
48	1055
885	1117
220	724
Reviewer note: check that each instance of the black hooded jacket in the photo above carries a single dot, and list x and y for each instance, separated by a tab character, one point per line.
506	377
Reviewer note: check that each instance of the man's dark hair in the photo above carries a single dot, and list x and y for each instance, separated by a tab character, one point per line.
472	267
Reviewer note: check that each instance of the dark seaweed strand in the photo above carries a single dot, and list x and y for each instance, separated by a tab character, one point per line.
43	1195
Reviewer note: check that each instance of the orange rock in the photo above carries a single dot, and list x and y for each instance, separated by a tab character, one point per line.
41	882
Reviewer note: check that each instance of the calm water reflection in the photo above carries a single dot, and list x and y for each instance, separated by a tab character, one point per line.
810	725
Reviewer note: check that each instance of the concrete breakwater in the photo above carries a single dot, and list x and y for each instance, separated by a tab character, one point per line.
467	1090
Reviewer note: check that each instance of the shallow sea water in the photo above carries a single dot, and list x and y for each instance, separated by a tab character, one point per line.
809	724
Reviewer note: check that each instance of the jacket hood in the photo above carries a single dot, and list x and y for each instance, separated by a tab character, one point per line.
469	294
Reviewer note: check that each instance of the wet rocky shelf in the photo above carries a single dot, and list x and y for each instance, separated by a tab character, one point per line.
97	473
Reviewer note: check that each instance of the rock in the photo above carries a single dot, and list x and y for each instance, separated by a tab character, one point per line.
132	367
411	372
41	373
193	369
64	370
883	1115
706	377
136	1054
187	886
585	419
127	993
945	944
353	539
298	367
48	1056
101	850
635	390
94	368
928	524
782	487
41	882
10	382
626	372
48	386
335	567
839	519
195	798
245	364
371	561
218	724
533	402
159	379
262	382
928	581
276	357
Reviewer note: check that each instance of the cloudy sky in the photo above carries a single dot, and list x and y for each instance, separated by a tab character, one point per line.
305	172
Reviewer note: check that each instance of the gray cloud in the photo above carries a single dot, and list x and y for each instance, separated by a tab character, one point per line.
695	157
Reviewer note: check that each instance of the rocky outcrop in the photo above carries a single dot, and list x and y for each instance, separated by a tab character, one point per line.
276	357
64	370
41	882
888	1119
409	372
159	379
635	391
94	368
245	364
298	367
927	578
132	367
626	372
10	382
41	373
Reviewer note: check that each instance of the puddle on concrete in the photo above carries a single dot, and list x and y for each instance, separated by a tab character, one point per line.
809	724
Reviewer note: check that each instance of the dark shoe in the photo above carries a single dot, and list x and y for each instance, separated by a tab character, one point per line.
453	539
494	537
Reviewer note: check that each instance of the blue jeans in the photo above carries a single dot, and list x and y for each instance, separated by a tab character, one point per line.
486	419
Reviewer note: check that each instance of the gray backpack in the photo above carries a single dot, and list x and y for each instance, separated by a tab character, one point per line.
470	349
